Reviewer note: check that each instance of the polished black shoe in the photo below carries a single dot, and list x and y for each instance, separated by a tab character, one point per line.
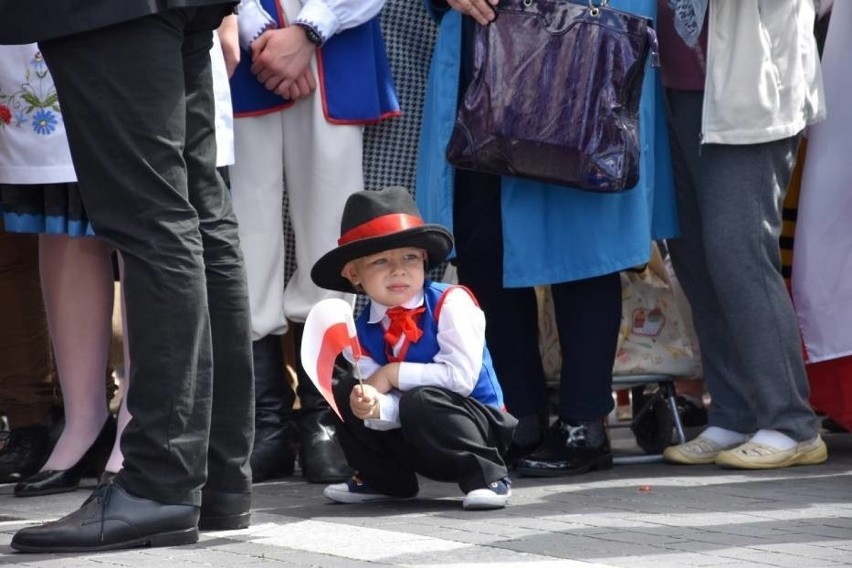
25	451
320	455
569	449
223	511
112	519
49	482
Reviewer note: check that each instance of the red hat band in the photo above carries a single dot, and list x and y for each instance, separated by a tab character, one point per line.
380	227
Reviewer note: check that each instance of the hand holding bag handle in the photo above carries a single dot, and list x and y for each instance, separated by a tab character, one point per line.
555	95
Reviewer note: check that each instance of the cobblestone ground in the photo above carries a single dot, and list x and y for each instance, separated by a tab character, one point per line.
636	516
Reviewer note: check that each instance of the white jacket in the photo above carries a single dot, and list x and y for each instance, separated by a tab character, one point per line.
763	79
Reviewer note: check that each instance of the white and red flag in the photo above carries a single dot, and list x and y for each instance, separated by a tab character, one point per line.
329	329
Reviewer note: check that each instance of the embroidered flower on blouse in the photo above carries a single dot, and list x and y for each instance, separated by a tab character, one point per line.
5	114
44	122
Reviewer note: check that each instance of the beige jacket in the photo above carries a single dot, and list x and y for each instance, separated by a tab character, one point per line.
763	75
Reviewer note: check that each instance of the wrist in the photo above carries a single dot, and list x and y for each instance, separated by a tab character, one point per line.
311	33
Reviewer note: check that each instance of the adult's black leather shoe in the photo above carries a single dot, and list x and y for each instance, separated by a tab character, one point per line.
49	482
569	449
112	519
223	511
25	451
320	455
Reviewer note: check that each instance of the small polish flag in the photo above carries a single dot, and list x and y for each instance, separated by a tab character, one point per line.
329	329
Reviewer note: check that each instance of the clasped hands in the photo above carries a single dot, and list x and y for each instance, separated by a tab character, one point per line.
364	400
281	61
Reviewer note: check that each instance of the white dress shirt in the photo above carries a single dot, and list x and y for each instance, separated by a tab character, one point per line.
456	366
328	17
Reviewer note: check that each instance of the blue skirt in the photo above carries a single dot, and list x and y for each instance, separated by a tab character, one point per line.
54	209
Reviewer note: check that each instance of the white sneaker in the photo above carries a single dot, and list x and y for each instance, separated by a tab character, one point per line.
355	490
495	496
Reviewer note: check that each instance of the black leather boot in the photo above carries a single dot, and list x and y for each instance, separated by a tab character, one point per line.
570	449
320	455
274	452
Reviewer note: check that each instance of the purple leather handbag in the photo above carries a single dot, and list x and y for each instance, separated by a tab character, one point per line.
555	95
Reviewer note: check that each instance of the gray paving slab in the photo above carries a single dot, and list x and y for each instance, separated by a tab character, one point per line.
633	516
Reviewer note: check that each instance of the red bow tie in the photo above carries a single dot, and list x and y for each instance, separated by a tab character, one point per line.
403	321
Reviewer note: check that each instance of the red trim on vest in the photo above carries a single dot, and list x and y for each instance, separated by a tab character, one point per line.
443	297
380	227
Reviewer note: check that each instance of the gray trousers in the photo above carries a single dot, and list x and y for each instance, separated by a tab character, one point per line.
729	262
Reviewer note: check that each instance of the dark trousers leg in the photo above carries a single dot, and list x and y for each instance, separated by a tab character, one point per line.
381	458
232	417
124	98
588	315
27	389
511	313
455	438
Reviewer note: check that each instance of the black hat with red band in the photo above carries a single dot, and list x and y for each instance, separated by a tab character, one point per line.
376	221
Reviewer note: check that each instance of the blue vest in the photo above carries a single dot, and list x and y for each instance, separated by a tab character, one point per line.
355	80
372	337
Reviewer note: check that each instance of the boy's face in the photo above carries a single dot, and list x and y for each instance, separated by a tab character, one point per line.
391	277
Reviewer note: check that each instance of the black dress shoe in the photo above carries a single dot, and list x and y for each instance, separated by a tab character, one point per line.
25	451
49	482
320	455
569	449
112	519
223	511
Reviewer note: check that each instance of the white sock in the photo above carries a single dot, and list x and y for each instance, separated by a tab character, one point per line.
724	437
774	439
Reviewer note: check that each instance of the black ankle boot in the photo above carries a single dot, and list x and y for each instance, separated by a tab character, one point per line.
320	455
274	452
570	449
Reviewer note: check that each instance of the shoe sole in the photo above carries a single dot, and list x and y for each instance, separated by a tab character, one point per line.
679	458
816	456
225	522
599	465
487	503
174	538
355	498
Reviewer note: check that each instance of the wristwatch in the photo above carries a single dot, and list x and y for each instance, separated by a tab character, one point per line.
311	33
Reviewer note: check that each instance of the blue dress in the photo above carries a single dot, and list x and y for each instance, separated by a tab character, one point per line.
552	233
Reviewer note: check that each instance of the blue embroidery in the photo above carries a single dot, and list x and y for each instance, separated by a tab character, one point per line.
35	102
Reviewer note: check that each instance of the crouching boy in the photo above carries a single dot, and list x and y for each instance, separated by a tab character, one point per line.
431	403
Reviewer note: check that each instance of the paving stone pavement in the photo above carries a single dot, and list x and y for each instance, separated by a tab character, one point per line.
633	516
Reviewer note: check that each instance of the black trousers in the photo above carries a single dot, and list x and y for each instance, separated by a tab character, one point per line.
588	314
138	105
443	436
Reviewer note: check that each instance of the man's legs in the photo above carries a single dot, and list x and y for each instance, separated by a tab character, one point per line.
123	92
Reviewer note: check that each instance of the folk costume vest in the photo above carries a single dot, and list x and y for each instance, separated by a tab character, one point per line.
355	80
371	335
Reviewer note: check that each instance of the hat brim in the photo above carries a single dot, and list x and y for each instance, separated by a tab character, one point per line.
434	239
